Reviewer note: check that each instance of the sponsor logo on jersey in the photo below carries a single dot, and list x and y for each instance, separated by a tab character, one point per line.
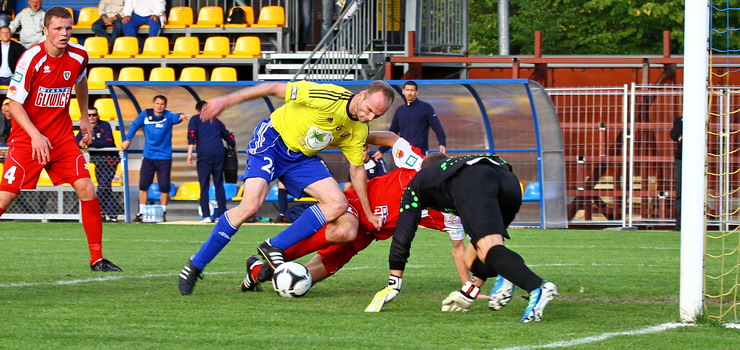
17	77
344	134
12	91
329	120
67	74
47	69
293	92
381	211
52	97
339	127
317	139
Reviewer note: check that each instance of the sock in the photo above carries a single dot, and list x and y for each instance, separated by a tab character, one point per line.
219	238
482	271
305	226
2	211
282	200
511	265
141	208
255	272
164	208
92	223
307	246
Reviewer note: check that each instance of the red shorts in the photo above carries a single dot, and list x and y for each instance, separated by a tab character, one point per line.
67	165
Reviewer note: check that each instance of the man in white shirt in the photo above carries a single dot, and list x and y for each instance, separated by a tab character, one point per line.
137	13
30	22
111	15
10	52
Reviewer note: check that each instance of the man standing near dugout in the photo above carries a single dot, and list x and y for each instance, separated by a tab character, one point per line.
42	137
485	193
284	146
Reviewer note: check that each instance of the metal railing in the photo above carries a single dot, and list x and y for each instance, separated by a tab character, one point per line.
442	27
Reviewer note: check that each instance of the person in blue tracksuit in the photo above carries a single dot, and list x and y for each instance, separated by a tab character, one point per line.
206	137
157	123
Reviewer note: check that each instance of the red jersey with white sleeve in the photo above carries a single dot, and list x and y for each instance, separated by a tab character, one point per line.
43	85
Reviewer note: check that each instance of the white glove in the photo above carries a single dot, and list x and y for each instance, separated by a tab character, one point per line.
386	295
404	155
461	300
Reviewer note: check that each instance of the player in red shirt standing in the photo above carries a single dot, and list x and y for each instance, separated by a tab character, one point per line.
42	136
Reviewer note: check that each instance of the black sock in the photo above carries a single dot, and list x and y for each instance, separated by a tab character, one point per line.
511	265
282	201
482	271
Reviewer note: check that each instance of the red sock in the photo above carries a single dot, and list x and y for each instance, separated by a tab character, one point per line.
307	246
92	222
254	273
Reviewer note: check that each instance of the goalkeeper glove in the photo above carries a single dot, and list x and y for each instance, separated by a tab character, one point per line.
461	300
386	295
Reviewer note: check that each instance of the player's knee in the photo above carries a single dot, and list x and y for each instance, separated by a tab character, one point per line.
333	209
341	235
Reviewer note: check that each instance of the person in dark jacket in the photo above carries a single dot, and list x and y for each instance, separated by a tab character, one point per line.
206	137
10	52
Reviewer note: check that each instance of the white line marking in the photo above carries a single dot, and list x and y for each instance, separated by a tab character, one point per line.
96	279
602	337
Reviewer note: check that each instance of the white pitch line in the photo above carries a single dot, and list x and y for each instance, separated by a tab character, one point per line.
602	337
95	279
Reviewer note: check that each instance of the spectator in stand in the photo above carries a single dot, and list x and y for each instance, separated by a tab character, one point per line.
5	124
328	8
207	136
10	52
137	13
413	120
373	167
157	123
111	15
6	12
30	22
677	135
105	162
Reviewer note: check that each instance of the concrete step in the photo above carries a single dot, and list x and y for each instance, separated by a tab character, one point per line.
284	77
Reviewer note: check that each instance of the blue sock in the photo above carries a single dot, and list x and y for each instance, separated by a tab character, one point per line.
305	226
219	238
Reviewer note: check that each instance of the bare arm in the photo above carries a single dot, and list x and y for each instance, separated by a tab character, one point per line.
359	183
458	257
82	99
217	105
382	138
39	143
190	154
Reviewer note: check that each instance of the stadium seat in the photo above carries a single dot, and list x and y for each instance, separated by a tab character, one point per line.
91	170
185	47
162	74
88	15
118	178
71	12
248	13
98	76
179	17
239	194
73	40
223	74
532	192
155	47
44	179
124	47
271	16
74	109
189	191
247	47
106	109
193	74
229	189
209	17
131	74
153	194
216	47
272	196
96	46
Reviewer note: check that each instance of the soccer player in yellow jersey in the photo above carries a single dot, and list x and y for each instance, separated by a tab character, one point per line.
284	147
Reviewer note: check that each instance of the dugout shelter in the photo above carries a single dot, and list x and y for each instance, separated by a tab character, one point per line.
513	118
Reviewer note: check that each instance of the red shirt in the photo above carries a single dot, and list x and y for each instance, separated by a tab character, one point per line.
43	85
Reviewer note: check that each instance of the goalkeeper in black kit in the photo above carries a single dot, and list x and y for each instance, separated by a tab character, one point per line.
484	192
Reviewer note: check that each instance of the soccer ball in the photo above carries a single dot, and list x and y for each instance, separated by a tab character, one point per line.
291	280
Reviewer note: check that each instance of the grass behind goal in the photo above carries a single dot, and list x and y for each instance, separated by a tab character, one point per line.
609	281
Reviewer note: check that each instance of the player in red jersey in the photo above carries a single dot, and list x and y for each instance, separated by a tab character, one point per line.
385	193
42	136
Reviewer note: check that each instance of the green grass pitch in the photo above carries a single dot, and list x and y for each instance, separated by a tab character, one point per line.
612	284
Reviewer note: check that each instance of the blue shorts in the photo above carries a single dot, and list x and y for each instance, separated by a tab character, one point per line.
269	158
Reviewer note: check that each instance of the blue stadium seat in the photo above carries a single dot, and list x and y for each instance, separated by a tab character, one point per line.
229	188
532	192
153	193
272	196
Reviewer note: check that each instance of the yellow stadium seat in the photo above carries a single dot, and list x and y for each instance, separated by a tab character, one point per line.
98	76
155	47
74	109
162	74
248	13
118	178
44	179
87	16
117	138
131	74
209	17
223	74
91	170
247	47
185	47
179	17
193	74
216	47
189	191
71	12
124	47
96	46
73	40
239	194
106	109
271	16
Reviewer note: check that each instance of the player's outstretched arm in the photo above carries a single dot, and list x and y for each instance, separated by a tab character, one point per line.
217	105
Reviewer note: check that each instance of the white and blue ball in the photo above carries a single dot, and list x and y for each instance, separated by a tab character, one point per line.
291	280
